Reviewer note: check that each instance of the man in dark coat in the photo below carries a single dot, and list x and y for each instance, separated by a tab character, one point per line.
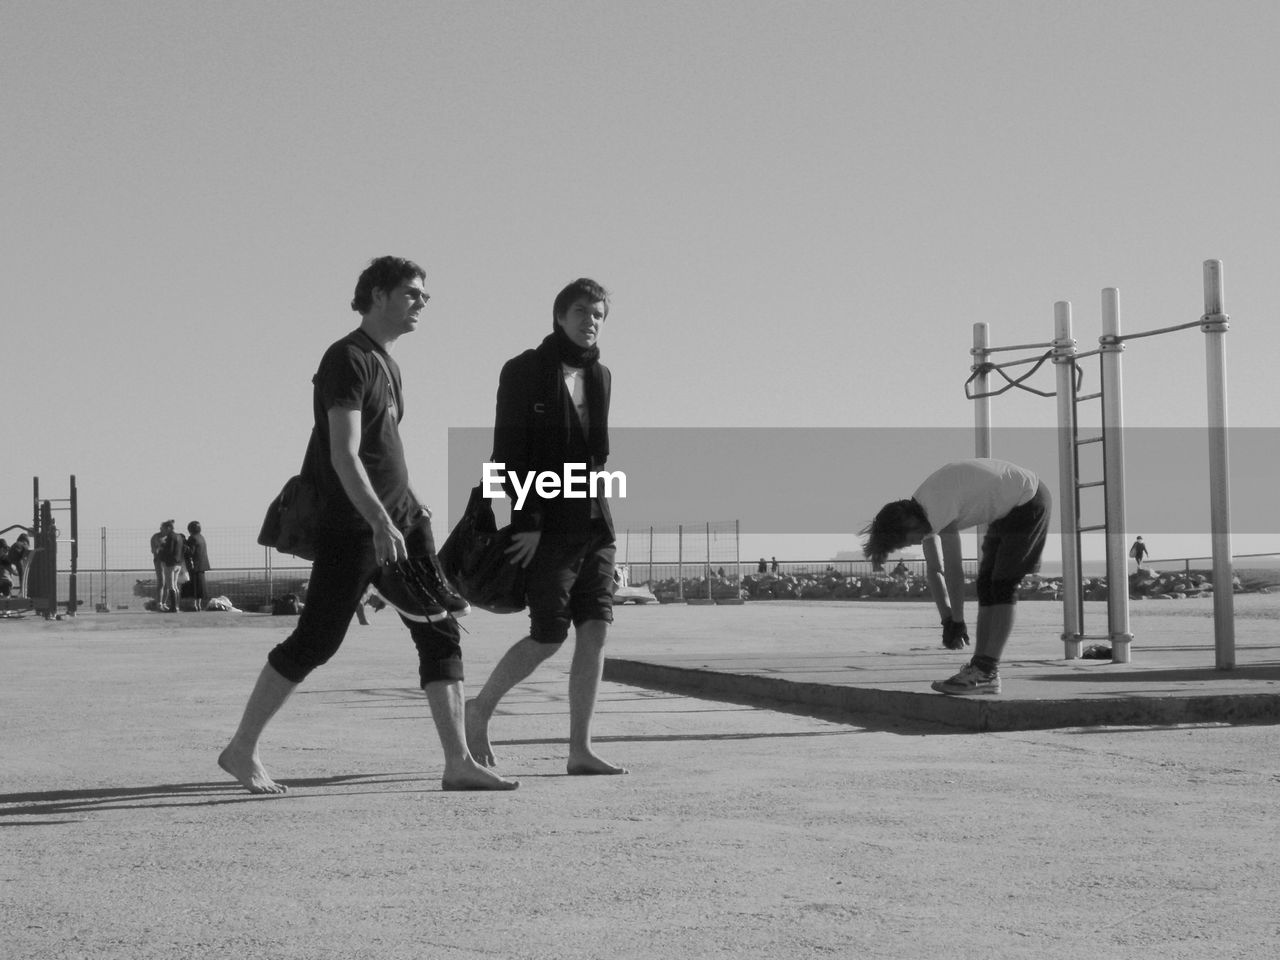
553	411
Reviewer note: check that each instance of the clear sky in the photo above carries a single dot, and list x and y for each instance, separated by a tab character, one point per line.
801	208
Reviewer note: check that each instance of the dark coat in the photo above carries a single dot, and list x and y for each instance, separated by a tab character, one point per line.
196	553
536	429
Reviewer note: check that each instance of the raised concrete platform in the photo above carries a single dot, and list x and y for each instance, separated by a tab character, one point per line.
878	659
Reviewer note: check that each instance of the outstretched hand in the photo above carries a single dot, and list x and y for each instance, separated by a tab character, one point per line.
955	635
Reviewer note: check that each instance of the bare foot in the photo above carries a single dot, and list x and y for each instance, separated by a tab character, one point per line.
478	736
469	775
249	771
589	765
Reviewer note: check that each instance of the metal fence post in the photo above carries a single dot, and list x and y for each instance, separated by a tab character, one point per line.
680	557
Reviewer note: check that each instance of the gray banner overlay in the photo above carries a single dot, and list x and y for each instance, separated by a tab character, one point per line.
807	480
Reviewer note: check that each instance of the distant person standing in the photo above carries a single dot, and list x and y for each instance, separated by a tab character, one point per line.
195	555
773	565
166	555
6	585
1139	553
157	544
763	566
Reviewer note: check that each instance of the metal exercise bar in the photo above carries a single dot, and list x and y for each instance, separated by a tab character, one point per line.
1215	324
1064	359
1019	346
1113	470
1153	333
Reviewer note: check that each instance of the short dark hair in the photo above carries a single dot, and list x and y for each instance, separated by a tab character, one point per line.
582	287
383	273
888	533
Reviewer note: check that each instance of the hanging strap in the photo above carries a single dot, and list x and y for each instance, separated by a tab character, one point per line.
390	383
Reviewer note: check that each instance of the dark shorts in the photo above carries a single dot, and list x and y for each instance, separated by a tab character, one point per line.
343	568
1011	549
570	581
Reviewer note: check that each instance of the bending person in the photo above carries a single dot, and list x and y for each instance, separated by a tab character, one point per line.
1014	504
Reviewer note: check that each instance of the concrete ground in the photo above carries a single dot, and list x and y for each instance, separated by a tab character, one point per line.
741	831
818	656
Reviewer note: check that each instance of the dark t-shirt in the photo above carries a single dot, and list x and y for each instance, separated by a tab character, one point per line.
351	377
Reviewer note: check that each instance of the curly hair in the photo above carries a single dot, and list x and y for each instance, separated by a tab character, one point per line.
383	273
888	532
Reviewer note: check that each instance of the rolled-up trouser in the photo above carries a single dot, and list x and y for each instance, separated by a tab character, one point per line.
345	564
570	581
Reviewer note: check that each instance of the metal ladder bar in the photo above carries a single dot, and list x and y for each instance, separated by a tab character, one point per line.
1077	399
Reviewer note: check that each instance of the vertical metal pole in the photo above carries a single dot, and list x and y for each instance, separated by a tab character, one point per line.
1215	325
710	596
680	557
649	572
981	407
102	601
981	385
1111	347
72	603
737	556
1064	359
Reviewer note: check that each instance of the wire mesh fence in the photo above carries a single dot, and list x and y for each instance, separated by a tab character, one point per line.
677	561
115	570
684	561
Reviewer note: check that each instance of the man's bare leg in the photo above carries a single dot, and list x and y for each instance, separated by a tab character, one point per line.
584	686
461	772
240	758
516	666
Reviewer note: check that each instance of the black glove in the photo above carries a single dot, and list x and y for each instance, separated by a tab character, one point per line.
955	635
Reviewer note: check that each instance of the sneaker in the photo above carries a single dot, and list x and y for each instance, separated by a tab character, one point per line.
437	584
970	680
419	591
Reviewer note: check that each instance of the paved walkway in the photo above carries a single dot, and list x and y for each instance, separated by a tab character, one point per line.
741	833
857	659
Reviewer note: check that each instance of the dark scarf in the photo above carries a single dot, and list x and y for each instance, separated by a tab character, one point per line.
555	349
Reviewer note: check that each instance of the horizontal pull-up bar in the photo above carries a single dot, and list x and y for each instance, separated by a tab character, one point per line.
1121	338
1016	346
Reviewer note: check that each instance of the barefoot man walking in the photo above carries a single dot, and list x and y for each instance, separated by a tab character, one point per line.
553	410
373	531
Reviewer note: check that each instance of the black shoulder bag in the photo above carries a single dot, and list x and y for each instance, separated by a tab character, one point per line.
293	518
474	558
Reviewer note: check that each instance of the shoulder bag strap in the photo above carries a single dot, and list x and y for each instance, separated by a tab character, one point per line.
390	383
